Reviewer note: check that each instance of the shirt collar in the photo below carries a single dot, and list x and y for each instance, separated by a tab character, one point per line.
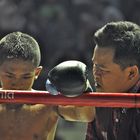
135	88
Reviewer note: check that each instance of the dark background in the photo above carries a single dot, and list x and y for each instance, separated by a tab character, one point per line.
64	29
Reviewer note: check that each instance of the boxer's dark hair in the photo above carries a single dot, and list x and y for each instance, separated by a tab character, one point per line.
124	38
18	45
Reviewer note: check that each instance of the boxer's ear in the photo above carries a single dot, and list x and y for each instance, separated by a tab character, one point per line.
37	71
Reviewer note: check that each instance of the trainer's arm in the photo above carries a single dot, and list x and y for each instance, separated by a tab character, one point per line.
70	78
77	113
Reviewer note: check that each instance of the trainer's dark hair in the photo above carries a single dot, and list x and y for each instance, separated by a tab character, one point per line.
124	38
19	45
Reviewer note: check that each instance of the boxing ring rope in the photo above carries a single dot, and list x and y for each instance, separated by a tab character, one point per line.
129	100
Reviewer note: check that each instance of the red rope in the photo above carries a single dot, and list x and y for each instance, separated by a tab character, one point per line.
129	100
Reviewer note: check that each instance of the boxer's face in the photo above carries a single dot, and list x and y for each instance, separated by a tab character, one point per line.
109	77
18	74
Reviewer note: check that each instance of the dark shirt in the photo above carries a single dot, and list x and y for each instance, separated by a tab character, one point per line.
116	123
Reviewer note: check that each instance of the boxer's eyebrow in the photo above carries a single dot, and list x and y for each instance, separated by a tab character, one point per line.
24	74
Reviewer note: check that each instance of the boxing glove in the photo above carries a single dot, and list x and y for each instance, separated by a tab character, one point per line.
69	78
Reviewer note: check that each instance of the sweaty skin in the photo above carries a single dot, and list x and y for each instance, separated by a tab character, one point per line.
27	122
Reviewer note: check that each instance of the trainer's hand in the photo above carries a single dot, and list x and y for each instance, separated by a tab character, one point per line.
70	78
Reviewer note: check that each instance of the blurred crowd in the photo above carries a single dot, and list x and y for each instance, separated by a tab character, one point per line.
63	28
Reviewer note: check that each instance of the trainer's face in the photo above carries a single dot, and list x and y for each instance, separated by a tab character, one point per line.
109	77
18	75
